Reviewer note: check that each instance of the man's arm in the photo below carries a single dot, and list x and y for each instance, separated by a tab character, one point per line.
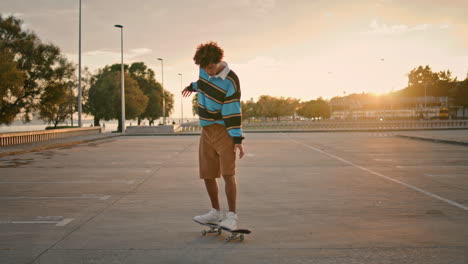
189	89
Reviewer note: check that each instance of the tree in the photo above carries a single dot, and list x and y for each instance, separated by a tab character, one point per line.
169	102
104	101
269	106
195	104
59	103
459	93
11	81
423	81
38	63
249	110
314	109
152	89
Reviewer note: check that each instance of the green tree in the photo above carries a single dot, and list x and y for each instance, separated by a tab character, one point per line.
11	82
152	89
275	107
195	104
37	61
267	106
59	103
104	101
249	110
169	102
314	109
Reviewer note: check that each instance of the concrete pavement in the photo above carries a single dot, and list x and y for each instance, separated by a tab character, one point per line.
309	198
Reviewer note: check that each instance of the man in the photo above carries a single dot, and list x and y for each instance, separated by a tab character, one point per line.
219	110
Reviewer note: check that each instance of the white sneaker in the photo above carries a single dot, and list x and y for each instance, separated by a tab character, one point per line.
212	217
230	221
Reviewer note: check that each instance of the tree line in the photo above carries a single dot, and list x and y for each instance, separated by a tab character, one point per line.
423	81
36	80
269	107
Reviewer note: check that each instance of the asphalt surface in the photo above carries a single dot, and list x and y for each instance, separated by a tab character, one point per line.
308	197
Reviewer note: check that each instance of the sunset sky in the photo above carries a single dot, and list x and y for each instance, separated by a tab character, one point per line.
297	48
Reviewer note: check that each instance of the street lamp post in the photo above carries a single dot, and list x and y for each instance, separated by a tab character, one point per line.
122	88
162	85
425	96
79	72
181	102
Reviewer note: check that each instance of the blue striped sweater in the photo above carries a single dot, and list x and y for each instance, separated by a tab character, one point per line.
219	101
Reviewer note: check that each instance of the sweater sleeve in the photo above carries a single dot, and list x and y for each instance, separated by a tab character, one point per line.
231	112
194	85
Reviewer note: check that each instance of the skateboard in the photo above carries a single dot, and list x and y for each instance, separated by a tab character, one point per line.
214	228
236	234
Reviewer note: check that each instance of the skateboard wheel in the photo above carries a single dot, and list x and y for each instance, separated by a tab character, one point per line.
227	238
241	237
203	233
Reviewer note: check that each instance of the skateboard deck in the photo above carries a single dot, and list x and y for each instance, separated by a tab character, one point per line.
236	234
214	228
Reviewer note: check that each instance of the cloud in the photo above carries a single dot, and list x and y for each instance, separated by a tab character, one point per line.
96	59
16	15
376	28
138	52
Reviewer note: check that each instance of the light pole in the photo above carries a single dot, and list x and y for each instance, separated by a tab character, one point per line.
122	88
181	102
425	96
79	71
162	85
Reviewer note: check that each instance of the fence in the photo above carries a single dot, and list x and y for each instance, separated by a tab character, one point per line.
37	136
347	125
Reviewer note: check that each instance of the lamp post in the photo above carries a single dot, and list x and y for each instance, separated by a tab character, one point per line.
425	96
162	85
122	88
79	72
181	102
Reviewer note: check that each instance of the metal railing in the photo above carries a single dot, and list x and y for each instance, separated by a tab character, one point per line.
15	138
346	125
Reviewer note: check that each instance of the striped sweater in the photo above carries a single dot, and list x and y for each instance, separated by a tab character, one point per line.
219	101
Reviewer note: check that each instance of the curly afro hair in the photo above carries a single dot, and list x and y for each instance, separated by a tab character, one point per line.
208	53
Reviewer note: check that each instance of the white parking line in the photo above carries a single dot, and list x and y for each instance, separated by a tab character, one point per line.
389	160
66	182
386	177
58	222
85	196
445	175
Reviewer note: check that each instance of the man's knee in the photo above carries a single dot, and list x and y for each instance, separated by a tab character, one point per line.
210	180
229	178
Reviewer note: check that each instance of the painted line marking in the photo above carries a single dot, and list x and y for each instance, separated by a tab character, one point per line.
57	198
445	175
435	196
66	182
384	159
62	222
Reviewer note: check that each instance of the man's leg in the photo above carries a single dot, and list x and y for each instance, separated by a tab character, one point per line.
212	189
231	191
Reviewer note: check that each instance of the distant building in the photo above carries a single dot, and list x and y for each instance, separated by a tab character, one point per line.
371	107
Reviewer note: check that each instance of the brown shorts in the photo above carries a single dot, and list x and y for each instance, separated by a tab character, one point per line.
216	153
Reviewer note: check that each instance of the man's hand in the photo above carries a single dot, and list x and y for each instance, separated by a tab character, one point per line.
186	92
241	150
